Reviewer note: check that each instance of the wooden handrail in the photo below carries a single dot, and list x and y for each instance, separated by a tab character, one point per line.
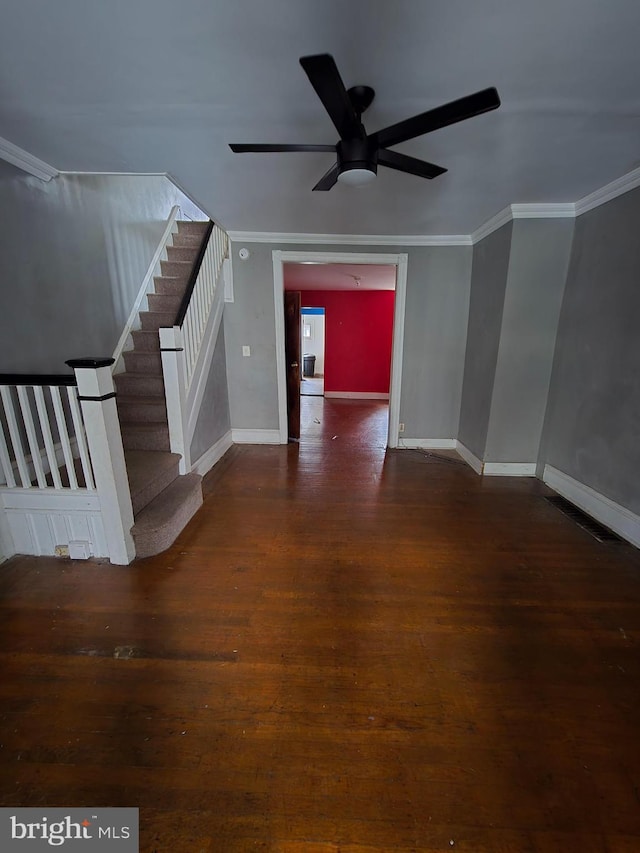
37	379
194	276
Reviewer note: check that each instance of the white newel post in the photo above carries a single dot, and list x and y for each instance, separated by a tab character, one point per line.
174	372
96	393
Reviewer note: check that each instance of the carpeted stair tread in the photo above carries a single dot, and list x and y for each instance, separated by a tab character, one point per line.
158	525
136	408
167	284
198	228
145	340
137	361
151	320
139	383
149	473
164	302
176	269
152	435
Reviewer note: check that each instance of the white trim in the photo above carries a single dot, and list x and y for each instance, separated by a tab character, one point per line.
543	211
509	469
256	436
279	258
45	500
7	547
27	162
356	395
427	443
613	515
610	191
491	225
227	277
147	283
469	457
351	239
214	454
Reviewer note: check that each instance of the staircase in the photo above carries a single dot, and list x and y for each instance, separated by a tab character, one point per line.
163	501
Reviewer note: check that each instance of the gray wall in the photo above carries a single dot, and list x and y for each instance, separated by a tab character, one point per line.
488	285
213	419
538	264
73	254
435	332
437	309
592	430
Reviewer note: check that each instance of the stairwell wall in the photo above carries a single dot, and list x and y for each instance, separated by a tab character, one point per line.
73	253
214	420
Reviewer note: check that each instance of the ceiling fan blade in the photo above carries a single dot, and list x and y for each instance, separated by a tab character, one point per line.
403	163
325	79
247	149
463	108
328	179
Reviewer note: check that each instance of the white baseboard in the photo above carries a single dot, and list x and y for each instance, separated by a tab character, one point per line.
256	436
356	395
427	443
470	458
215	453
620	519
509	469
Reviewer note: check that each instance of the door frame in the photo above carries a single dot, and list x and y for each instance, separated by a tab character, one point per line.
399	260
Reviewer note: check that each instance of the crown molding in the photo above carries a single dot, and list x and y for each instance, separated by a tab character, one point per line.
620	186
350	239
564	210
27	162
491	225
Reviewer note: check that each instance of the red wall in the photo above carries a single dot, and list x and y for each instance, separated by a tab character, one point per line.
358	336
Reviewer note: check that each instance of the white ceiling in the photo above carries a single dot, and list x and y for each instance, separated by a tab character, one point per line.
339	276
164	86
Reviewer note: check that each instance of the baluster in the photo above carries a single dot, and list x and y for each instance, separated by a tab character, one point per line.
63	432
7	467
14	432
45	428
81	439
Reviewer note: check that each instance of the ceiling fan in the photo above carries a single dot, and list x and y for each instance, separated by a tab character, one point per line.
359	153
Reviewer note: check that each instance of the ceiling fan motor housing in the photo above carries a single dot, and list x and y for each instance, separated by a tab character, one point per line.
357	154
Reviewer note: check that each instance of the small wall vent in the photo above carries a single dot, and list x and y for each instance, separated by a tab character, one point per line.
597	530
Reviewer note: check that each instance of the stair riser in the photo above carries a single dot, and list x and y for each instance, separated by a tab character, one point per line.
154	438
182	253
189	241
145	341
193	228
168	286
145	497
143	362
142	412
167	303
176	269
163	534
144	386
154	320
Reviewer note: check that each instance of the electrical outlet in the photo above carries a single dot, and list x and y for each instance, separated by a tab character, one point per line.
246	351
400	427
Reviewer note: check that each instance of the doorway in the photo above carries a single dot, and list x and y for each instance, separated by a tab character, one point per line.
399	262
312	337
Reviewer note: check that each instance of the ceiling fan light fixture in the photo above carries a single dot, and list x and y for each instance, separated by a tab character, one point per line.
356	177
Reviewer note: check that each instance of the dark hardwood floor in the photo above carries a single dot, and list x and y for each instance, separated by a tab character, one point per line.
346	650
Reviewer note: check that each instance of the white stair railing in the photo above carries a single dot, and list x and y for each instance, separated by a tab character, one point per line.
187	346
63	483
